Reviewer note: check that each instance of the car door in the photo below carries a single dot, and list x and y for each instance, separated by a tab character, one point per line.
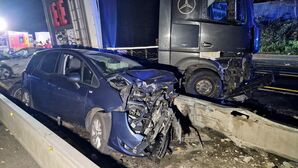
39	81
68	97
223	33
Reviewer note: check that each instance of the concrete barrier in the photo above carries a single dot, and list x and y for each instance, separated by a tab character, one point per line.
241	126
47	149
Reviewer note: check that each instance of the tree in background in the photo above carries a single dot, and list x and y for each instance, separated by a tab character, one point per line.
279	24
280	36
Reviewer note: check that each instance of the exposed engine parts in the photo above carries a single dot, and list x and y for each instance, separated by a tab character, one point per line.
236	71
150	115
149	112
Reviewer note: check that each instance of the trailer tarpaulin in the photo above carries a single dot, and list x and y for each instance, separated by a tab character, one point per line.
108	12
129	23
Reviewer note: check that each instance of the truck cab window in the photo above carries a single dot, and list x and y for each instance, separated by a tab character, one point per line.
218	10
228	11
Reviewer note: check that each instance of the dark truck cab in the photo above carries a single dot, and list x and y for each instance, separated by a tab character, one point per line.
210	41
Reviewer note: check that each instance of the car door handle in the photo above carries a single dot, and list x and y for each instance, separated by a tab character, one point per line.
207	45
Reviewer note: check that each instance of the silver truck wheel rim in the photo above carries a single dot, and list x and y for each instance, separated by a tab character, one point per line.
96	134
204	87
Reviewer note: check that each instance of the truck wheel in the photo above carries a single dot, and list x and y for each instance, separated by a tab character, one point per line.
16	91
5	73
205	83
99	133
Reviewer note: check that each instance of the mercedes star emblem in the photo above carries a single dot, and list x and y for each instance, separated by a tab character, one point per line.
186	7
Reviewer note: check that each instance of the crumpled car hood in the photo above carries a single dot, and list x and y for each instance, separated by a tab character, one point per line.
152	75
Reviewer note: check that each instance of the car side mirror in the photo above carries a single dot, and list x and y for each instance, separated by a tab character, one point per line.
74	77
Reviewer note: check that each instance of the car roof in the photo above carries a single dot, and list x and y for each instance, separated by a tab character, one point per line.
92	51
84	52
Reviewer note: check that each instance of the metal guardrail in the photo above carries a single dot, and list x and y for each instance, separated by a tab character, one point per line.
143	51
47	149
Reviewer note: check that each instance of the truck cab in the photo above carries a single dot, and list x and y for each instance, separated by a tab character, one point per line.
210	41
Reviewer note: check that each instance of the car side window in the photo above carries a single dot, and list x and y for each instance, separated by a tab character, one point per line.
35	61
72	64
89	77
50	62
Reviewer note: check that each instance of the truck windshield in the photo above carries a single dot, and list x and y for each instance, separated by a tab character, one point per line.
227	11
110	64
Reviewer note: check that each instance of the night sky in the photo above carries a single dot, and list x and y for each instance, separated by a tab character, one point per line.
23	15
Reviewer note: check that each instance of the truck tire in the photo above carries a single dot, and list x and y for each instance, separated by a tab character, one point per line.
205	83
99	133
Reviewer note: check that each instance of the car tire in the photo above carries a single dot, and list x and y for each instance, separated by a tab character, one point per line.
205	83
16	91
5	72
99	132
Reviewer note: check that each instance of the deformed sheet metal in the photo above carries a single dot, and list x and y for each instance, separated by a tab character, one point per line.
242	126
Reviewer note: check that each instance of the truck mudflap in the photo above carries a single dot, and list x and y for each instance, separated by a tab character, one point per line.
242	126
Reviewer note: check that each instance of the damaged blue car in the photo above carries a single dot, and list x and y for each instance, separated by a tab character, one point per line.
122	104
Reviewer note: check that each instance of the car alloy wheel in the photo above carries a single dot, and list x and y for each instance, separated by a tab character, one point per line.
96	133
99	131
26	98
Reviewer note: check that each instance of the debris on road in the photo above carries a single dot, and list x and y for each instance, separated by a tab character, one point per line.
215	153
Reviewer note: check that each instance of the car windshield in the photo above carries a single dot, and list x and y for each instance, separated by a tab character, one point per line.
110	63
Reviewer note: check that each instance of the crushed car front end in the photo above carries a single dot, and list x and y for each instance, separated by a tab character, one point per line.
142	128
